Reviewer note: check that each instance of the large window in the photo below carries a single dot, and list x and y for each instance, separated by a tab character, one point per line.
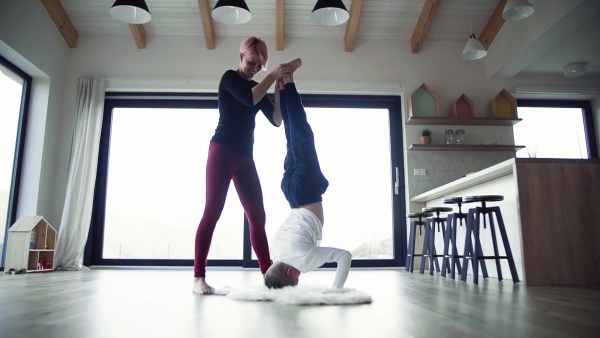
150	190
14	99
555	129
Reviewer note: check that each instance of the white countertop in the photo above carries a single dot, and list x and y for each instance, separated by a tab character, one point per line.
485	175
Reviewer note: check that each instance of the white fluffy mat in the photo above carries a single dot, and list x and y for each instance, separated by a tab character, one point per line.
299	295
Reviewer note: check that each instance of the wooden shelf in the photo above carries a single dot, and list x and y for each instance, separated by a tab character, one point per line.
476	121
462	147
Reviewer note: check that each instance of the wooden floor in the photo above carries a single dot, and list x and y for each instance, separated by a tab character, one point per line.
159	303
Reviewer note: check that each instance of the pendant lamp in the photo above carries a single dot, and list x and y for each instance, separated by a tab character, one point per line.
231	12
517	10
329	13
474	49
130	11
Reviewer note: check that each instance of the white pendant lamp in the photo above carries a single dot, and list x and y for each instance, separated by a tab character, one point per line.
517	10
329	13
231	12
474	49
574	70
130	11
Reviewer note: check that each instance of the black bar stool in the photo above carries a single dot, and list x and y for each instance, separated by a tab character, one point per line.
429	242
410	252
454	220
473	227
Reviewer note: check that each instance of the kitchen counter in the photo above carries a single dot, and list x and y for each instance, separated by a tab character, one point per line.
551	212
482	176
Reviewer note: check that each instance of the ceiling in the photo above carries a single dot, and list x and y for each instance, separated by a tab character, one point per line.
370	19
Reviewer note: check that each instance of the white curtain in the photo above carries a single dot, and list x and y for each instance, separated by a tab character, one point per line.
77	210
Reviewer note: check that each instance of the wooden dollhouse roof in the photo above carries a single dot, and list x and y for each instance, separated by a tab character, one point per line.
27	223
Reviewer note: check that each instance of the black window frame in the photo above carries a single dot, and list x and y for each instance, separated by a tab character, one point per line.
19	148
94	245
588	117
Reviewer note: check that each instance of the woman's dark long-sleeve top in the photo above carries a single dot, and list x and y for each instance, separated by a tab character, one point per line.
238	113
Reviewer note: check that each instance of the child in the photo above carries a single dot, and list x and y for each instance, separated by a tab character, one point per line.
295	246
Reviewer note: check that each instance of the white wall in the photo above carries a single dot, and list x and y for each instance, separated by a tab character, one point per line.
29	39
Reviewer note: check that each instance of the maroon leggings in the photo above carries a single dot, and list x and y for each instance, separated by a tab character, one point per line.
224	165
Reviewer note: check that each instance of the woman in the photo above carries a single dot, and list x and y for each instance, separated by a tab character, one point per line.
230	153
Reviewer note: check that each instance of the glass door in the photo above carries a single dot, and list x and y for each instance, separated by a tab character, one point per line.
353	146
155	187
357	144
150	190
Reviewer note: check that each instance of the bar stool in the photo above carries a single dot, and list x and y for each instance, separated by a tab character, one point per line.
454	220
429	241
473	227
410	252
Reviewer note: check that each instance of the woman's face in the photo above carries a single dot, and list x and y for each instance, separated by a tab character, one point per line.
249	65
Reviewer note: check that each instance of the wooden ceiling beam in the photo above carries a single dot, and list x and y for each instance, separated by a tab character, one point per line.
352	25
427	14
280	27
493	26
139	34
62	21
207	23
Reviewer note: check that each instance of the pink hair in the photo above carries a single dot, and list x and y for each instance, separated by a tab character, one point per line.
254	45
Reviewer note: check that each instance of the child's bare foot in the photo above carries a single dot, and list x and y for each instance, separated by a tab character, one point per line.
288	79
295	64
201	287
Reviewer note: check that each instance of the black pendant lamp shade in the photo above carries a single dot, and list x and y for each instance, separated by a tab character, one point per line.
329	13
231	12
130	11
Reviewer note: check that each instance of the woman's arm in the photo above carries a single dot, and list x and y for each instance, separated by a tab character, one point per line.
259	91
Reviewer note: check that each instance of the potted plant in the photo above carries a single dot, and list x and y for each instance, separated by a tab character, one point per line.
426	136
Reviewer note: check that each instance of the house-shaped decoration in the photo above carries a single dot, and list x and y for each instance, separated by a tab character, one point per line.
463	107
504	105
424	102
31	244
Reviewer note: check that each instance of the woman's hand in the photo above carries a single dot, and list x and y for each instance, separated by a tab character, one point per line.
282	71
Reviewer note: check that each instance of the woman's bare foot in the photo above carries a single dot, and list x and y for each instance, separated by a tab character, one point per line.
201	287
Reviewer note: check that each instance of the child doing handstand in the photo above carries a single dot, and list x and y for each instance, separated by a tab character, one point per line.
295	246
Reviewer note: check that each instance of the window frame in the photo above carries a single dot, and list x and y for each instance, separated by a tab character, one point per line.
588	117
94	245
19	149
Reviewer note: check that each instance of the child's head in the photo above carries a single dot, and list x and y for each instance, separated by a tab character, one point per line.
280	275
